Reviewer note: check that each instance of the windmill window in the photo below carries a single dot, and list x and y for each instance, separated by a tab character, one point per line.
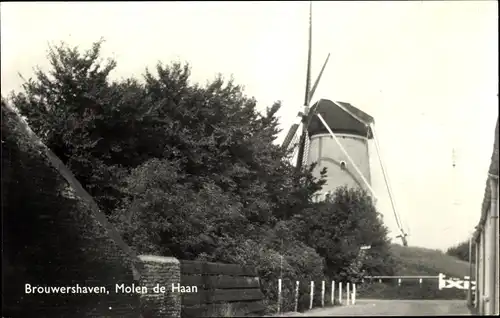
343	165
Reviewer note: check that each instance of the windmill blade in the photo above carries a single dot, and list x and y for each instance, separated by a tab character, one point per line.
300	155
313	90
289	136
309	54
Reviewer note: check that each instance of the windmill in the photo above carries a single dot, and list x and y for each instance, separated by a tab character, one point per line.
304	117
313	130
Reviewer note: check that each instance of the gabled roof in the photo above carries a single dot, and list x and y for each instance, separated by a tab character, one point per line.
342	117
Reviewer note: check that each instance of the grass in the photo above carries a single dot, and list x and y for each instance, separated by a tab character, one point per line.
424	261
412	261
418	261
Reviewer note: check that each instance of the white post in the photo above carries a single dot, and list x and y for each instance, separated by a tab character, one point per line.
296	296
353	301
348	292
441	282
311	295
279	295
323	294
340	293
399	281
332	296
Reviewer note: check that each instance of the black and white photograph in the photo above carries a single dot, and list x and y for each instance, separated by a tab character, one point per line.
181	159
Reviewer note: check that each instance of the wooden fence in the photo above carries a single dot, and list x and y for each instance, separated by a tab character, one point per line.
222	290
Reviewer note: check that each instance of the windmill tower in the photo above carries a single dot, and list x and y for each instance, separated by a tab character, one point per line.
335	135
351	127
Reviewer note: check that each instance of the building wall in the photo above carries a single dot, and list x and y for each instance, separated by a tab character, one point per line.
497	267
486	238
488	267
324	150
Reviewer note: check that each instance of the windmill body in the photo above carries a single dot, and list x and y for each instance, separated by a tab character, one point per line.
335	135
350	125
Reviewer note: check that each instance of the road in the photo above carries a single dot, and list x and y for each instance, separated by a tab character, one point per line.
374	307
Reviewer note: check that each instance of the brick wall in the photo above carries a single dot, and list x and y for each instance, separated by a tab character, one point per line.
162	271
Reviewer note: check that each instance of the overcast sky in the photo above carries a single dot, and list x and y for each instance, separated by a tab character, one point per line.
426	71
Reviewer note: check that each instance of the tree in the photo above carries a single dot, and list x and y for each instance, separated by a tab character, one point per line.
191	171
119	138
339	226
461	251
88	122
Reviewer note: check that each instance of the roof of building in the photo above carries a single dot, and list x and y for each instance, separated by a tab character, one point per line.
341	117
492	173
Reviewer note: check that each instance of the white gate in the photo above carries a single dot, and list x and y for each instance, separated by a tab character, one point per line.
455	282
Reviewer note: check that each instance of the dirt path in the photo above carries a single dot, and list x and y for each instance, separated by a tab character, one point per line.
374	307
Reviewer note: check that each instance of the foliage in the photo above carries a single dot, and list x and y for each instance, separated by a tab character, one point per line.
192	171
339	226
461	251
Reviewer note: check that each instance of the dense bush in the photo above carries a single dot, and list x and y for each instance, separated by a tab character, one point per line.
461	251
192	171
339	226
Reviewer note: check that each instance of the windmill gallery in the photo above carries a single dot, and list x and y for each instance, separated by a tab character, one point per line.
336	135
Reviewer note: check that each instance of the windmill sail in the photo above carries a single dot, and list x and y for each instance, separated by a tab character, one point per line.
289	136
304	116
299	130
309	53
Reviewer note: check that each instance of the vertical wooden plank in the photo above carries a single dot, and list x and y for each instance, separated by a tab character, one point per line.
311	296
279	295
354	294
323	294
297	296
332	296
340	293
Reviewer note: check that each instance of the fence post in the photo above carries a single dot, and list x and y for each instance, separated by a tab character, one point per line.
296	296
279	295
348	292
441	282
468	287
322	293
420	282
311	295
353	301
399	281
332	296
340	293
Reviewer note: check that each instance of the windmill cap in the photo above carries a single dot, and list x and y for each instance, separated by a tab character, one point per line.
341	117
